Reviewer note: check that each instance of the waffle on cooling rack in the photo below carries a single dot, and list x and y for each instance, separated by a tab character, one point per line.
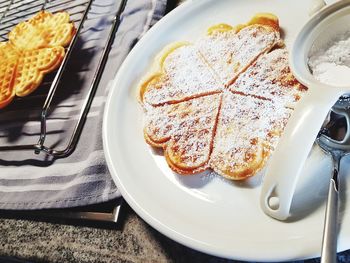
35	48
43	30
222	102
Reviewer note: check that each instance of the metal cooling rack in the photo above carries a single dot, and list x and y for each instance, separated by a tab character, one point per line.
14	11
11	13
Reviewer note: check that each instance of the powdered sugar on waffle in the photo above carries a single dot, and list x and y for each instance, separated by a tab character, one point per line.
205	123
192	140
245	132
188	125
229	53
186	75
160	122
270	78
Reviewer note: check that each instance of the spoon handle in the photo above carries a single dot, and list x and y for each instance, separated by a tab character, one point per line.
330	231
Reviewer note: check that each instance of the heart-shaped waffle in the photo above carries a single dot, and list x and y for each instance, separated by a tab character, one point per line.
185	130
32	65
43	30
7	71
270	78
230	52
35	48
246	133
222	102
180	73
7	92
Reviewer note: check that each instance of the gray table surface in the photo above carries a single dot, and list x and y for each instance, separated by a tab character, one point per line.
136	241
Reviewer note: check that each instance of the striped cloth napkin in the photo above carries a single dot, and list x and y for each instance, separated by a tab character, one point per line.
29	181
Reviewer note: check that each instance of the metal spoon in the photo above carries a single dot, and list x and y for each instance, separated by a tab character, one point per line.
329	242
337	149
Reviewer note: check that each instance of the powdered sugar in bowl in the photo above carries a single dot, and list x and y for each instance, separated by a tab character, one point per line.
317	60
330	63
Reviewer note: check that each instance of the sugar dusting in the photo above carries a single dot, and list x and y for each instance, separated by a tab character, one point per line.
237	132
270	78
229	53
190	145
246	129
185	75
189	124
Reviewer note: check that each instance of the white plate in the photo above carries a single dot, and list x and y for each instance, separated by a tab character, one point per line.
209	213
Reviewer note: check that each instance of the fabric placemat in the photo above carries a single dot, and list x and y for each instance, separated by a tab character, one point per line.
29	181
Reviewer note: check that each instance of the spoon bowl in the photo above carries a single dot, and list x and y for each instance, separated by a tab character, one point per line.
336	149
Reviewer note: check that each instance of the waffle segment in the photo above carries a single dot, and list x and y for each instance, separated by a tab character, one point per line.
32	65
229	53
7	51
246	135
185	131
270	78
183	75
43	30
7	71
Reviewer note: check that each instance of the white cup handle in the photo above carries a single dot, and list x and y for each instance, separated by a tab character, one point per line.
293	148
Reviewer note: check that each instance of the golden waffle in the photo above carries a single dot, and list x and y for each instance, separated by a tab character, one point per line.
7	51
185	131
181	70
43	30
35	48
231	50
32	65
246	133
7	92
181	74
270	78
8	59
235	128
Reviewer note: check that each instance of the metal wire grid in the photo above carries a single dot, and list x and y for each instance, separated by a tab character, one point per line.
11	13
14	11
